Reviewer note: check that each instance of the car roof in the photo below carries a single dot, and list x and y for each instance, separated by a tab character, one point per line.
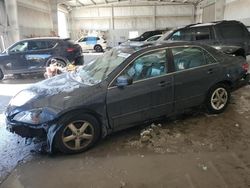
45	38
205	24
160	44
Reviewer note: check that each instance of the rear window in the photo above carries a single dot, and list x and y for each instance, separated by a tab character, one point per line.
51	44
230	31
190	57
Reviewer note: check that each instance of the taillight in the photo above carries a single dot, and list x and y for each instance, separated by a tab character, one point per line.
70	49
245	66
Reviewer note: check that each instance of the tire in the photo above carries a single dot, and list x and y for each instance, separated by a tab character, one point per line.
60	63
218	98
1	74
98	48
78	133
79	61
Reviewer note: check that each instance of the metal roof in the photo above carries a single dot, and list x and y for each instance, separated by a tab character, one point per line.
83	3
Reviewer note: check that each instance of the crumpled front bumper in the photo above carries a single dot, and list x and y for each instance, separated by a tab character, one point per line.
25	130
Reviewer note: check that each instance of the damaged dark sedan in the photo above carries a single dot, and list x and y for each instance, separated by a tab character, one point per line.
125	87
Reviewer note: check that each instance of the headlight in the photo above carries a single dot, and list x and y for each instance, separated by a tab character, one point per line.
22	97
35	116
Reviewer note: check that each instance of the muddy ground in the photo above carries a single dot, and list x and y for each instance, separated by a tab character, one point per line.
194	142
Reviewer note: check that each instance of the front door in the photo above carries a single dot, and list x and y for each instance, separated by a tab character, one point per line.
15	61
148	97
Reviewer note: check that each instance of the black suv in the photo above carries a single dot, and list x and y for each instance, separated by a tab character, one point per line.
33	55
231	37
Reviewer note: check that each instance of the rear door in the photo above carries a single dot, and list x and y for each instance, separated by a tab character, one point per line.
195	72
149	96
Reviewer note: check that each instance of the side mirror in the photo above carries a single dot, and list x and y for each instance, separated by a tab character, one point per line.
122	81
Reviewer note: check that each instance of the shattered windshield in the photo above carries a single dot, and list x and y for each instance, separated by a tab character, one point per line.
98	70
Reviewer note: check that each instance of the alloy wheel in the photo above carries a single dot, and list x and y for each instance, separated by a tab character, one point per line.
78	134
219	98
60	64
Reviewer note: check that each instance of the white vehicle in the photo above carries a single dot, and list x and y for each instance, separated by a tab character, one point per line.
92	43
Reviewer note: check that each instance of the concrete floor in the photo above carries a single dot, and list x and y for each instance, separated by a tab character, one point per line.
199	151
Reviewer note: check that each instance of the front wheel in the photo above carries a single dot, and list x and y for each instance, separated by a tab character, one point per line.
77	133
218	98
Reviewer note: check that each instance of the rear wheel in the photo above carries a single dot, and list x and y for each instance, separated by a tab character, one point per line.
79	61
98	48
77	133
1	75
218	98
59	63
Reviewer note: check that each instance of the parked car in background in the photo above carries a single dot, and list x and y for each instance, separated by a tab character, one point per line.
139	43
92	43
144	36
231	37
34	54
153	38
124	87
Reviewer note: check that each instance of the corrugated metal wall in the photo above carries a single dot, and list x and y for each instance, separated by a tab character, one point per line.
208	14
34	18
223	10
239	10
119	20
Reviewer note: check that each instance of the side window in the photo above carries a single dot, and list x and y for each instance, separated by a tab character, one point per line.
202	33
20	47
209	58
147	66
91	39
83	39
42	45
231	31
51	44
188	57
184	34
187	34
33	45
176	36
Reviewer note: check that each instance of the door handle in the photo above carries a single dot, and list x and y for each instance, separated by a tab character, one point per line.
163	83
210	71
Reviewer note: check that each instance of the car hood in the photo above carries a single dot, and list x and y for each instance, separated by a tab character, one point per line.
63	83
3	54
57	94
